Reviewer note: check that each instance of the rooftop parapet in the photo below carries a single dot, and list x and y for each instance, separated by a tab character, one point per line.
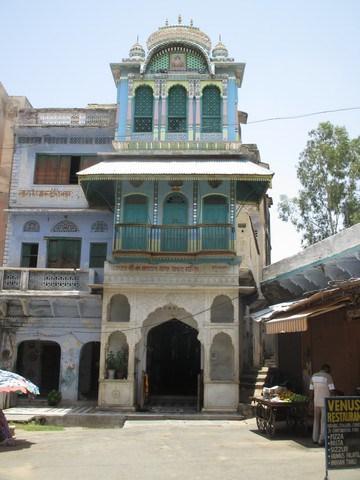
68	117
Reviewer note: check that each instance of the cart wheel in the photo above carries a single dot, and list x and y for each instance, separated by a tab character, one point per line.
270	425
270	429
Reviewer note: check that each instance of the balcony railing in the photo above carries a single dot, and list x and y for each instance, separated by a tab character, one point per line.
174	238
43	279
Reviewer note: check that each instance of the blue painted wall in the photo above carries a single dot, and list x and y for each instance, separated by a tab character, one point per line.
122	101
232	110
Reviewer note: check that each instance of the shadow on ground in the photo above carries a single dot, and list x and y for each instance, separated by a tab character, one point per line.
19	445
301	437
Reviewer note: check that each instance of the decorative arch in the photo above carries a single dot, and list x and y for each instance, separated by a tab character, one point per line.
222	358
211	109
177	109
222	310
65	226
31	226
159	61
119	309
168	312
143	109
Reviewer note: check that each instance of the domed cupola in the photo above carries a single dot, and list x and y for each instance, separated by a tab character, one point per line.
137	52
220	52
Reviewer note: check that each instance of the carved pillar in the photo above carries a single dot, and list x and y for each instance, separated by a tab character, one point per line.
163	122
157	112
129	119
197	110
224	110
232	212
117	216
191	111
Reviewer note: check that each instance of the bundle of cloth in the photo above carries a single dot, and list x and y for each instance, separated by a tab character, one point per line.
6	436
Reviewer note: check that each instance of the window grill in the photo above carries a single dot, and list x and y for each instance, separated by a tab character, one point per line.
143	117
177	98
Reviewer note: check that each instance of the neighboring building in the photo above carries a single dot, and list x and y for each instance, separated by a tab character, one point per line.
318	320
175	204
9	106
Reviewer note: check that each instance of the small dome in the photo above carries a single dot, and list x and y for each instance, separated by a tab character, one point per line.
137	52
220	51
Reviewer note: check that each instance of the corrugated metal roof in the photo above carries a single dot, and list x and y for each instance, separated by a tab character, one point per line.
177	167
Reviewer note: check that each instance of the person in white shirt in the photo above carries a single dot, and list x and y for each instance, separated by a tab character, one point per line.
321	386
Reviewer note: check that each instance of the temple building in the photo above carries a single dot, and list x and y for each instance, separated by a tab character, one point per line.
137	235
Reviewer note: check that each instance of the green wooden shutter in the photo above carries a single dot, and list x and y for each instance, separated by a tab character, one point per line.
211	110
143	114
177	99
215	212
136	219
174	238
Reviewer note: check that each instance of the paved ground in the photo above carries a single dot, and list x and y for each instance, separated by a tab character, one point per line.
191	450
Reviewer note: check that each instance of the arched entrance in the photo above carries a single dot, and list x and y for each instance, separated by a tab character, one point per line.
173	360
89	371
39	361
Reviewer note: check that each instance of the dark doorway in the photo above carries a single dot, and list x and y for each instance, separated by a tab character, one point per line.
39	361
173	359
89	371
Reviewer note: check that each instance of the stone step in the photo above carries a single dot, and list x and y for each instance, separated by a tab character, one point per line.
74	417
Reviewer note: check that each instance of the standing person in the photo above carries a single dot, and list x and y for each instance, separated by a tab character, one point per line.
321	386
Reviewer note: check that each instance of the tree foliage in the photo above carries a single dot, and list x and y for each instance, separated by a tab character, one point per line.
329	173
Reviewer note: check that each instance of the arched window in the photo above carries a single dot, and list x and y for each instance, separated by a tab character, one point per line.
135	220
211	110
222	310
31	226
119	309
174	237
143	116
215	213
177	109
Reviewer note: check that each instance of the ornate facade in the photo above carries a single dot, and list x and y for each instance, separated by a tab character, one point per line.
157	205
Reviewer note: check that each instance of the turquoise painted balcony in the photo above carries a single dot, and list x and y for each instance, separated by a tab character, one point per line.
175	239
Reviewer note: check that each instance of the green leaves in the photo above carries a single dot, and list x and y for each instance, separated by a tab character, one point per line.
329	173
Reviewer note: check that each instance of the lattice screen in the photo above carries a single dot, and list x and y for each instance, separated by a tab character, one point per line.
211	110
177	109
143	109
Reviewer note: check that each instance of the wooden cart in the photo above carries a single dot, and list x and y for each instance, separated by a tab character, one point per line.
268	413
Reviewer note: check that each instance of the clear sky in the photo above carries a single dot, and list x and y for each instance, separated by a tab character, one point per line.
301	57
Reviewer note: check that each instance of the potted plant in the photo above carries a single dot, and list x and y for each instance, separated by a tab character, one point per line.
54	398
121	364
111	364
